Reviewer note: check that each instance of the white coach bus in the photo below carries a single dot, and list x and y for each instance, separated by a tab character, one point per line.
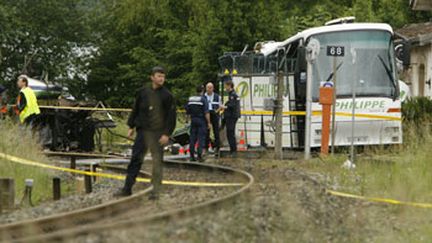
361	53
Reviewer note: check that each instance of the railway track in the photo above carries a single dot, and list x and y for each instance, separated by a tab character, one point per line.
12	231
103	217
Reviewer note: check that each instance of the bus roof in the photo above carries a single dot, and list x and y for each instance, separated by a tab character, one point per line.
271	47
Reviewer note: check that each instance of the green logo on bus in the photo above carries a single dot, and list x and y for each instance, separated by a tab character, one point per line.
242	89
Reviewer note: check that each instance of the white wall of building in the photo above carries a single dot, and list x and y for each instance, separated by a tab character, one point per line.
420	71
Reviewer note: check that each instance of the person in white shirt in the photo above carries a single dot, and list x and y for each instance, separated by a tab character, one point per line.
215	106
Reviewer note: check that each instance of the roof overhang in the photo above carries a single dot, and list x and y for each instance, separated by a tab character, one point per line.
421	5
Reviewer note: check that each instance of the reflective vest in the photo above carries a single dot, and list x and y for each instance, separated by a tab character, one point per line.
215	102
31	106
196	106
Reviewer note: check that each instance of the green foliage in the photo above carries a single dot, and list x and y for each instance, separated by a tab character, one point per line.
186	37
18	141
38	38
417	109
363	11
104	49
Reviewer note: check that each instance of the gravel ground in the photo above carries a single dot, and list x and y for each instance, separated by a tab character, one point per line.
172	197
192	175
285	205
102	192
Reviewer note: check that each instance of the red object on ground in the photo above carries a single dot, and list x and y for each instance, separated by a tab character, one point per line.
242	144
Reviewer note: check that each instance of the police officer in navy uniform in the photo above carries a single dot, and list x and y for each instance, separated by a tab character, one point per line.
214	106
231	114
197	109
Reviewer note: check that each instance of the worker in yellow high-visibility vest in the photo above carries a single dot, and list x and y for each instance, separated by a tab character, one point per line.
26	102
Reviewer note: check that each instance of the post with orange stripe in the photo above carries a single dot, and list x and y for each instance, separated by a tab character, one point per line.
326	100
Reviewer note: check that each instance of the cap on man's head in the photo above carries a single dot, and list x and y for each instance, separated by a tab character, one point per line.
229	83
157	69
226	78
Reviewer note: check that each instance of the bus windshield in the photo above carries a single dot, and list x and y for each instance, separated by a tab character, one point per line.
367	62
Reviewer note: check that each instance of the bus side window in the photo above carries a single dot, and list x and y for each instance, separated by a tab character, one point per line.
291	57
291	63
300	74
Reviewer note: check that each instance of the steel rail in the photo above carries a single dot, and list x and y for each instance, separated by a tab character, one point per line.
11	231
84	221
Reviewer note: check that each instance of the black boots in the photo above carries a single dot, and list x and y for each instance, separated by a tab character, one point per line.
123	193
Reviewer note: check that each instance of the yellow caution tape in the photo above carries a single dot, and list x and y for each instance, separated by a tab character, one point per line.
286	113
379	200
317	113
111	176
76	154
391	118
85	108
76	108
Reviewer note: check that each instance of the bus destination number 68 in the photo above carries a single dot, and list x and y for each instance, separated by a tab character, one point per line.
335	51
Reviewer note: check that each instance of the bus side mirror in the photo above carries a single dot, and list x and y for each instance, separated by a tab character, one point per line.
403	53
301	60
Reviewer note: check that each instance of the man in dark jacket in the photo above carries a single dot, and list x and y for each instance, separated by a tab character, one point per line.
153	118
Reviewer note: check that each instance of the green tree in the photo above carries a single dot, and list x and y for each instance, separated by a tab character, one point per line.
41	38
186	37
363	11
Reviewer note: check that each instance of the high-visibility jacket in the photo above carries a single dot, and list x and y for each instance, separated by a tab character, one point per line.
31	107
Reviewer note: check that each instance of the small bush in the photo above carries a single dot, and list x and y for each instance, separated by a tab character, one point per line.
417	109
18	141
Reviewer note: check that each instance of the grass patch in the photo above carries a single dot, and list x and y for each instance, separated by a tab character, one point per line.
401	172
18	141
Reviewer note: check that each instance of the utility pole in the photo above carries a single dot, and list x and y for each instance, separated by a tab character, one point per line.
354	90
308	110
333	120
312	51
279	116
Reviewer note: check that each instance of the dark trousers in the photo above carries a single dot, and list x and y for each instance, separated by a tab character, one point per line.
31	120
198	133
214	119
230	124
144	141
